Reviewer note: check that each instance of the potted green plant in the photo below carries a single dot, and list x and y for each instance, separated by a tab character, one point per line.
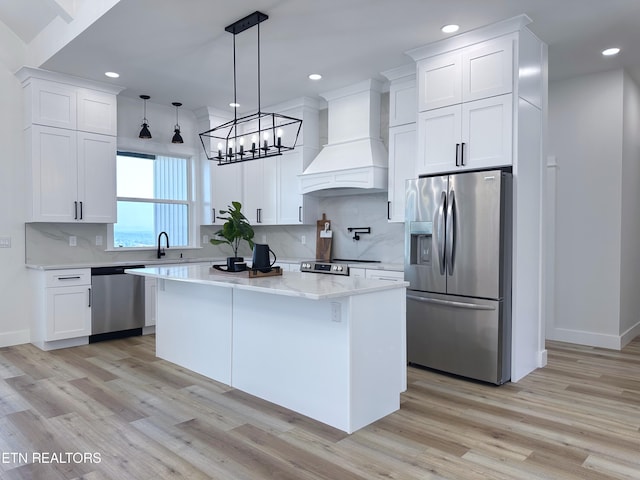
235	229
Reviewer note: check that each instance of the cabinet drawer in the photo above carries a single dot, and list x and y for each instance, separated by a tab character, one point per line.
392	275
68	278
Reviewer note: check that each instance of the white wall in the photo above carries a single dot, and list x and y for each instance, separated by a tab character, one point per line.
630	238
14	293
586	137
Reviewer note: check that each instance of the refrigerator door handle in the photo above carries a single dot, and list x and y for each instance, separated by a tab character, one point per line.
451	228
451	303
441	233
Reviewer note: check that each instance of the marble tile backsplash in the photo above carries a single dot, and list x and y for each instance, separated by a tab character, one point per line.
48	243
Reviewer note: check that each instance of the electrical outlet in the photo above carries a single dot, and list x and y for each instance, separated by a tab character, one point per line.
205	239
73	241
98	240
5	242
303	239
264	239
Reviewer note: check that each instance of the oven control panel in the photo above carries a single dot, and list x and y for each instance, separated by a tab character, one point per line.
325	267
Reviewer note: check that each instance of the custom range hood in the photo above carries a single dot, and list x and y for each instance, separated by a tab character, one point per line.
355	159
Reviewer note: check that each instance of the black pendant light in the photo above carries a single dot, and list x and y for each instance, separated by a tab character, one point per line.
177	138
144	131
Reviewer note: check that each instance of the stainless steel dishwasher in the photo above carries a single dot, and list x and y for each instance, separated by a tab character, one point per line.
117	303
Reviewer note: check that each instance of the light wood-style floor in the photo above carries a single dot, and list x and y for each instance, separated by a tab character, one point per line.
144	418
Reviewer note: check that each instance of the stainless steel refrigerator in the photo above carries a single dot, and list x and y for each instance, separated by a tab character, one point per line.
458	231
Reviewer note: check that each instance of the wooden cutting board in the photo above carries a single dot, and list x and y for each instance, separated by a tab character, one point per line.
323	242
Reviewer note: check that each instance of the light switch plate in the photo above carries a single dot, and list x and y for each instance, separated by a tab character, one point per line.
98	240
73	241
5	242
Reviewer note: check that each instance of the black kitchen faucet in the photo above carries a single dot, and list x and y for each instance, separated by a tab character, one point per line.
161	252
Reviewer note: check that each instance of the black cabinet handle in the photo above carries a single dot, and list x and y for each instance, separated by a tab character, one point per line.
80	210
75	277
258	215
462	154
457	154
75	210
389	210
300	214
213	215
89	297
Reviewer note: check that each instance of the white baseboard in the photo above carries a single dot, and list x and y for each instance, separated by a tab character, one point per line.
56	344
150	330
630	334
18	337
581	337
542	358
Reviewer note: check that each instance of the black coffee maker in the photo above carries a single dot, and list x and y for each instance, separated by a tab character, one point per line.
262	258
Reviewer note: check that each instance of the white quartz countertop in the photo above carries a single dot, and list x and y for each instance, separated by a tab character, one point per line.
295	284
185	261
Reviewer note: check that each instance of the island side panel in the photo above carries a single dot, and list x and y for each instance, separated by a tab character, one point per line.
378	355
291	351
194	327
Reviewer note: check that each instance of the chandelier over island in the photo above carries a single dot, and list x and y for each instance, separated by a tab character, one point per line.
259	135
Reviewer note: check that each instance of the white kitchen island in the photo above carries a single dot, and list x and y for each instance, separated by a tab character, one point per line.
329	347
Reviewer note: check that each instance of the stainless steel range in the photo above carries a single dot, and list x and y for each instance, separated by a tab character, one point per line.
337	266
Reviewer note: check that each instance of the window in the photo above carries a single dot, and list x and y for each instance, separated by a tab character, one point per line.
153	197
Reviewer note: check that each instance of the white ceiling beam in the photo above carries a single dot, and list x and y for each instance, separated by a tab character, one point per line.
66	9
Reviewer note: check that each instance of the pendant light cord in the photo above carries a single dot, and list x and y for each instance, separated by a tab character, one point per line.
235	91
259	106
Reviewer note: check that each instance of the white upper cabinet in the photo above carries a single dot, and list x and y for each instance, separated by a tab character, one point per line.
53	174
487	69
294	208
226	188
403	111
402	161
97	178
439	81
402	101
468	136
260	191
50	103
70	137
73	176
465	104
62	105
97	112
472	73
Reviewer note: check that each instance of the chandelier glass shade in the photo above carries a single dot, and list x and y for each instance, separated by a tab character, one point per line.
254	136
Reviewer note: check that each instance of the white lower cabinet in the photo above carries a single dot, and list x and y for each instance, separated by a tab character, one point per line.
393	275
68	312
62	310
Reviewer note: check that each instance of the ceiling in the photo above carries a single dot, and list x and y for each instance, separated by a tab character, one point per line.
179	51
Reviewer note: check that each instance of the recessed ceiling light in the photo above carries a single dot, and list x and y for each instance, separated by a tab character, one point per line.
611	51
450	28
315	76
234	105
112	74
